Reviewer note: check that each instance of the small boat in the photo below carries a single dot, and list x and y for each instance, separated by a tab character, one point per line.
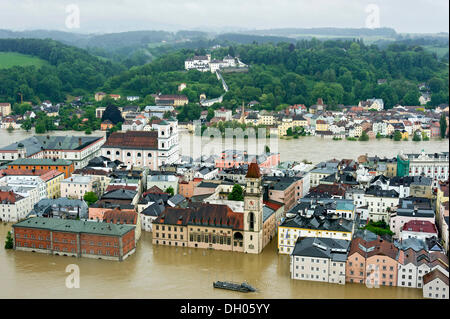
244	287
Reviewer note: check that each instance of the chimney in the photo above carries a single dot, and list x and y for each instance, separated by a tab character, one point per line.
79	141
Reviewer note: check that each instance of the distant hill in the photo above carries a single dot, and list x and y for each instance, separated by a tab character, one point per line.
340	32
110	41
250	38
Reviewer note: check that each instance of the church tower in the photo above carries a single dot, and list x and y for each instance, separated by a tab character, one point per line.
253	211
242	118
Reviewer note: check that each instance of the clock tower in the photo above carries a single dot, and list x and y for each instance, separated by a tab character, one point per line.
253	210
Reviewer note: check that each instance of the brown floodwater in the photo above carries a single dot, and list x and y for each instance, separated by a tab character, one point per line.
171	272
162	272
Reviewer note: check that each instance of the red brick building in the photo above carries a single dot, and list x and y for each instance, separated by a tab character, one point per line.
75	238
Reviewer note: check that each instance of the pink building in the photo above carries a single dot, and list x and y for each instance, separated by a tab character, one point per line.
372	262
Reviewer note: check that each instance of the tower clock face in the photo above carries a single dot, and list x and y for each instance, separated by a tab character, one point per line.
252	204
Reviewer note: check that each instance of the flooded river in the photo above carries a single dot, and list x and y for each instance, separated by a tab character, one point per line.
311	148
170	272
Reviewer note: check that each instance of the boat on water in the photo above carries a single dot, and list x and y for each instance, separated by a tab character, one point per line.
244	287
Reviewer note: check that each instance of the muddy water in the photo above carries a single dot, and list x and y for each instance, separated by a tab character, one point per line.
311	148
168	272
314	148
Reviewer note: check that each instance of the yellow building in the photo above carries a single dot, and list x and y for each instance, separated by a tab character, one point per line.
405	134
52	181
5	109
441	196
284	125
390	129
265	118
321	125
99	96
298	121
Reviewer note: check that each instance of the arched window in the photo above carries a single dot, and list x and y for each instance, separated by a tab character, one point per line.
251	221
108	153
149	154
138	154
117	153
128	154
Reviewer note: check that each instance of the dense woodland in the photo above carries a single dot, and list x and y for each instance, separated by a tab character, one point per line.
338	71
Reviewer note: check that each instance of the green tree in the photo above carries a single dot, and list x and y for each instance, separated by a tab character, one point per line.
237	193
170	190
364	137
90	198
210	114
397	136
26	125
10	129
9	243
379	228
378	135
40	127
416	137
113	114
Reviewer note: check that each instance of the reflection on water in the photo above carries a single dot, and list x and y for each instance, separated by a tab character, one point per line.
168	272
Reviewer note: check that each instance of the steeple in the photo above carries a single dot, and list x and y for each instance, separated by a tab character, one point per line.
242	119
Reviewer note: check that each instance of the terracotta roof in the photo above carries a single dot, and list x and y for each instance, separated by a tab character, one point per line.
154	190
435	274
48	175
216	216
273	204
42	173
420	226
133	140
373	248
253	171
116	215
9	197
171	96
202	215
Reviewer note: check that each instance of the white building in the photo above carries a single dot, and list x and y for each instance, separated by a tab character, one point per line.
76	186
14	207
145	148
435	166
380	203
435	285
418	229
78	149
319	259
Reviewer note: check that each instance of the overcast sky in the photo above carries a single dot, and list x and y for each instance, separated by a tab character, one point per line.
414	16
